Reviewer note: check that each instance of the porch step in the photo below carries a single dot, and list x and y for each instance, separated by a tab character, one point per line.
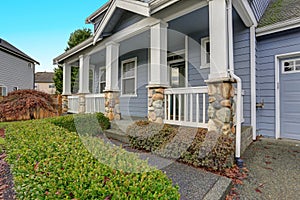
116	135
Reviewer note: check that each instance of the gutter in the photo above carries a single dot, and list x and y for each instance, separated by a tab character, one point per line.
277	27
19	55
238	80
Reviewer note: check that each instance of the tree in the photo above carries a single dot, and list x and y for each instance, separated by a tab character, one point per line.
75	38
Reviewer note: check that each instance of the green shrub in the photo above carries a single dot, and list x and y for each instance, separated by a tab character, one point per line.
49	162
83	123
191	145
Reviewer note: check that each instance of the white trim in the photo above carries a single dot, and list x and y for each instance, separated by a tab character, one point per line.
289	60
137	7
185	11
204	63
277	27
245	12
135	77
253	80
186	60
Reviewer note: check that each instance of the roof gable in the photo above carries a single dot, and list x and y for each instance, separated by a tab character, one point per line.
4	45
44	77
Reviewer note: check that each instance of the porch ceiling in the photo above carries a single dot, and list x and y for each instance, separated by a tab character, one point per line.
193	22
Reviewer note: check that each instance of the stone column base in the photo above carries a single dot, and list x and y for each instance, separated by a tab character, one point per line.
220	109
64	104
112	105
156	104
81	102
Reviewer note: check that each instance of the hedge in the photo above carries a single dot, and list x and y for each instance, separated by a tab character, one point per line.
190	145
50	162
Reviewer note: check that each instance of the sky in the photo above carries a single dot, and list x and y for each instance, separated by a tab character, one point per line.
41	28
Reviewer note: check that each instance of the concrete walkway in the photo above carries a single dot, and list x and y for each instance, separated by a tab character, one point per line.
274	170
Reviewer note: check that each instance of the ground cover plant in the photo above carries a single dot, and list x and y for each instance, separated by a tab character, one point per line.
190	145
51	162
25	105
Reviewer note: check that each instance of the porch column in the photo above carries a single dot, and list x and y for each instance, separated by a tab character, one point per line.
112	92
66	87
158	72
220	88
84	66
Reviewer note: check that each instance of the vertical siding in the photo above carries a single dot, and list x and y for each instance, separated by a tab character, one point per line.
267	48
259	7
241	49
136	106
14	72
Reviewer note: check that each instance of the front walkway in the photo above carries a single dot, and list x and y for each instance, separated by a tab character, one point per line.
274	170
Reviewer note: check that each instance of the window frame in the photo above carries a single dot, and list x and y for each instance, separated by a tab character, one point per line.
127	78
294	65
1	87
103	68
204	63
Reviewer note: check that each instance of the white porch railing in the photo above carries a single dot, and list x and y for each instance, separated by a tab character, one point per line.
186	106
73	104
93	103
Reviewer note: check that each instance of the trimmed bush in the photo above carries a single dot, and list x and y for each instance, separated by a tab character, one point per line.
49	162
191	145
91	124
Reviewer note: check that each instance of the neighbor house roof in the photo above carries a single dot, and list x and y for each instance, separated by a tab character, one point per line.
44	77
280	11
7	47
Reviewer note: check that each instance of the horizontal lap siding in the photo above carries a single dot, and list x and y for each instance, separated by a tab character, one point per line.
241	45
267	48
136	106
14	72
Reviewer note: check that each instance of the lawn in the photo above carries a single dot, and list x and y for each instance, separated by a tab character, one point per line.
50	161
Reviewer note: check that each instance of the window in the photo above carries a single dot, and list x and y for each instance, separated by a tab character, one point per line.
15	88
129	76
290	65
205	52
102	79
3	90
51	86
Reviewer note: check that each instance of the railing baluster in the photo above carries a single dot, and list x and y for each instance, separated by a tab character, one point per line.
179	107
165	106
185	107
191	106
204	108
174	107
197	108
169	107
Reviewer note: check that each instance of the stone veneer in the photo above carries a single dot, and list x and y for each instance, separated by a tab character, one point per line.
112	105
221	107
64	104
156	104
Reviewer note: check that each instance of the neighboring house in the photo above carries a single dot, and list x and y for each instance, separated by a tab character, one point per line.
44	82
196	63
16	69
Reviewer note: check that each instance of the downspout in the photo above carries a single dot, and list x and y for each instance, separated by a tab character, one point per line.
253	79
238	81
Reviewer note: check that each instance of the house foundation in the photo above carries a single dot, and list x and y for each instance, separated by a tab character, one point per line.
64	104
156	104
112	105
221	106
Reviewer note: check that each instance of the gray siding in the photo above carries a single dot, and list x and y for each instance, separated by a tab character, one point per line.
241	47
259	7
136	106
14	72
127	19
267	48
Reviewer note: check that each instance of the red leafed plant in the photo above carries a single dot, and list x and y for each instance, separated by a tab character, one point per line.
25	105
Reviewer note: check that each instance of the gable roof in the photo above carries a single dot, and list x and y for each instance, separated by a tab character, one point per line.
7	47
44	77
280	11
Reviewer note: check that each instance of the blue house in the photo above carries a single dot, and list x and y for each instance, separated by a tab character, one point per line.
214	64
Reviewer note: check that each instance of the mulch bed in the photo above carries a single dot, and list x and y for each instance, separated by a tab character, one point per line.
6	178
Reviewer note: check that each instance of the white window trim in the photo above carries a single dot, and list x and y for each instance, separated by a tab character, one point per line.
103	68
135	77
204	63
3	86
289	60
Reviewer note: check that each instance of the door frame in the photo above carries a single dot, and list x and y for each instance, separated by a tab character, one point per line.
277	88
